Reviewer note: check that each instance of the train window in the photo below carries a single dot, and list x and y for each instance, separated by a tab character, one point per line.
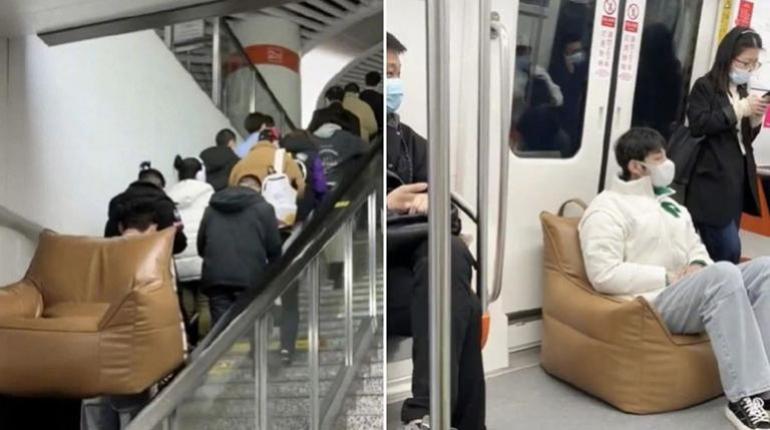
551	79
665	63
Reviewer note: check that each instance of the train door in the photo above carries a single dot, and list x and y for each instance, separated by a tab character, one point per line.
576	71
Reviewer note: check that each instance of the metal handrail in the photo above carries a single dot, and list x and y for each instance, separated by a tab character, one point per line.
439	282
261	79
351	194
501	32
482	162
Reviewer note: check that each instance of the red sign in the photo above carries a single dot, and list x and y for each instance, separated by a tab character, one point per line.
272	54
632	26
745	10
608	21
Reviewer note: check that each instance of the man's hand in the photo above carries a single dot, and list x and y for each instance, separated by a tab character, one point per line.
691	270
419	204
401	199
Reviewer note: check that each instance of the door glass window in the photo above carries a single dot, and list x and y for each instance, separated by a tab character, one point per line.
665	63
551	78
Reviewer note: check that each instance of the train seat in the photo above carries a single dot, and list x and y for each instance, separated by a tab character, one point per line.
618	351
91	317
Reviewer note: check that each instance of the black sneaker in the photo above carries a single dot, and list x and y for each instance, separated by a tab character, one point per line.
748	413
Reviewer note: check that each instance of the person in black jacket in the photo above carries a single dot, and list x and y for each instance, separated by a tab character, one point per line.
237	239
724	179
407	158
147	191
335	113
220	159
372	97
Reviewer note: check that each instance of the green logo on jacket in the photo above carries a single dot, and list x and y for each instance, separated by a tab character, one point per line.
671	208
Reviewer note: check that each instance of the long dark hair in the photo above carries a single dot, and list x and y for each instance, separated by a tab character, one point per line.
732	45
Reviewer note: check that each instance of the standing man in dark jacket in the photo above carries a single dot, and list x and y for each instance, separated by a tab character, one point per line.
146	191
372	97
407	278
220	159
237	239
335	113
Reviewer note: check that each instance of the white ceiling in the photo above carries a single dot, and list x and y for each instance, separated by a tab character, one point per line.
18	17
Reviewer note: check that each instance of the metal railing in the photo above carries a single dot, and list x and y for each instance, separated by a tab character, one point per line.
237	86
251	318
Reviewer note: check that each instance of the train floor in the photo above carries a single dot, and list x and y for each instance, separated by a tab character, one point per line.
525	397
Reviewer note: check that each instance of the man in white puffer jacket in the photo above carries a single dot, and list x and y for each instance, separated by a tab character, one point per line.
191	195
637	241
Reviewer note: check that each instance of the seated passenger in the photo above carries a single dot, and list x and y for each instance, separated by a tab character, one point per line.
220	159
254	124
360	109
147	189
408	279
638	242
191	195
334	112
237	239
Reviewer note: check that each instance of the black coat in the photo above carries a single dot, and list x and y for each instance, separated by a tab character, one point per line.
374	100
237	239
407	153
723	182
335	113
219	161
141	193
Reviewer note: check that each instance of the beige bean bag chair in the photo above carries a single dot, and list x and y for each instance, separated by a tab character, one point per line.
619	351
91	317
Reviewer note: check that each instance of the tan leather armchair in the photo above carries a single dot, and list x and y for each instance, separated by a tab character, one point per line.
91	317
619	351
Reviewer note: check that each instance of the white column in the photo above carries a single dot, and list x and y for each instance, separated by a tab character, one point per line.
274	46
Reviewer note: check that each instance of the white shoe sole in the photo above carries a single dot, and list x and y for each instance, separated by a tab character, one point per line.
734	420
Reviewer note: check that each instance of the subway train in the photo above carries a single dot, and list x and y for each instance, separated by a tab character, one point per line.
164	97
527	99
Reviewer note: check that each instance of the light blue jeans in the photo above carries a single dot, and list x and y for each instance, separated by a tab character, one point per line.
732	304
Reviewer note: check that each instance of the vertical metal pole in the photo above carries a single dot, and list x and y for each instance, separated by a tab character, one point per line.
313	285
372	227
347	236
482	163
216	64
168	36
260	370
440	291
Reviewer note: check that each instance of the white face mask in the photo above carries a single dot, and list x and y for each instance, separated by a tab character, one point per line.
661	174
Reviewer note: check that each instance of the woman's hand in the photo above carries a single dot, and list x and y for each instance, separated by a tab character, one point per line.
758	105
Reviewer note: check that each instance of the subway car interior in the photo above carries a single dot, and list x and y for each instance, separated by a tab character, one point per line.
91	330
532	96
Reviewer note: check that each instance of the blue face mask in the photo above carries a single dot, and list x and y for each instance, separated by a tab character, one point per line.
740	77
395	87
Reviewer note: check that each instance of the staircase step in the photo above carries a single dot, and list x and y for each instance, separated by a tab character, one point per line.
362	422
240	423
245	390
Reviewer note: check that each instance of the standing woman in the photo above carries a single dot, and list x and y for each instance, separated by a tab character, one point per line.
724	178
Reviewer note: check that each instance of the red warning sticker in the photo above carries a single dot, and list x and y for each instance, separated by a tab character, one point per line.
745	11
608	21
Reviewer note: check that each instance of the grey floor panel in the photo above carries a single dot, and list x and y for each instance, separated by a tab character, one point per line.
530	399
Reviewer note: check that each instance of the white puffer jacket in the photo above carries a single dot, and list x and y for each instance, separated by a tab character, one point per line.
192	198
632	236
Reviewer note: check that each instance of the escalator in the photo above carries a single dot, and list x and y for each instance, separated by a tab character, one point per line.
235	378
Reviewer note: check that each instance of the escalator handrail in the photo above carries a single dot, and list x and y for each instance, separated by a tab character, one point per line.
260	78
253	304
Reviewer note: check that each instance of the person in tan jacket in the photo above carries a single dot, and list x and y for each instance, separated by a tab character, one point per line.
363	111
259	161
